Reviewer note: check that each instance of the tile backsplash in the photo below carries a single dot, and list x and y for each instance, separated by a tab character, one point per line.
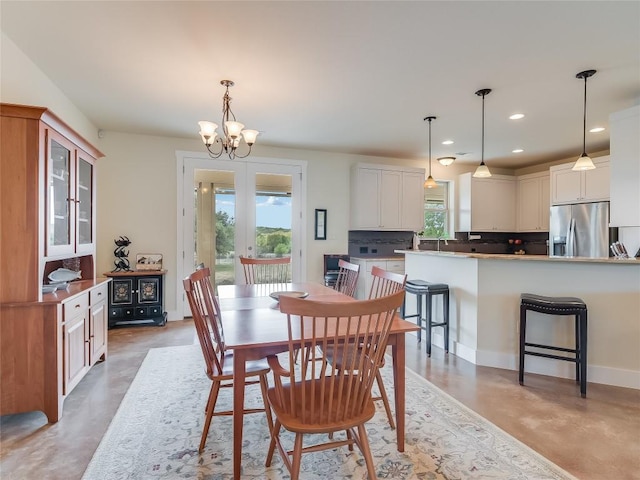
364	243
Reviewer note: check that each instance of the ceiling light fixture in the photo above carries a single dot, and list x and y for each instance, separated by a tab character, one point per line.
446	161
482	171
448	142
596	130
516	116
231	129
430	182
584	162
517	150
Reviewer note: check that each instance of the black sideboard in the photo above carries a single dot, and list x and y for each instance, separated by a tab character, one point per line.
136	298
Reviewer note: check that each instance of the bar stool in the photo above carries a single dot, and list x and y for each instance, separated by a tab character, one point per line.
422	288
557	306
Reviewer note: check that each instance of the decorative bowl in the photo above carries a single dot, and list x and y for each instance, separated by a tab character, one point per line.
276	295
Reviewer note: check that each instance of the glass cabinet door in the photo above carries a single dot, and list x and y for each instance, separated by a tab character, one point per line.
84	205
60	201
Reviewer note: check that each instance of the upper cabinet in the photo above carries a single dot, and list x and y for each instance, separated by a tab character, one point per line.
625	168
569	186
50	185
533	202
385	197
486	204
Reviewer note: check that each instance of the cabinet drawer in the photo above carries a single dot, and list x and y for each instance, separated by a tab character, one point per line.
98	294
142	312
395	266
76	306
121	312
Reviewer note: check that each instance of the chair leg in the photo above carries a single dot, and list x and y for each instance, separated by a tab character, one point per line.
577	335
275	432
446	322
385	399
366	451
297	457
428	308
211	405
264	384
419	317
583	354
523	329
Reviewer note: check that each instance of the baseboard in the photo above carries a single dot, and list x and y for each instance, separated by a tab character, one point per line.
173	315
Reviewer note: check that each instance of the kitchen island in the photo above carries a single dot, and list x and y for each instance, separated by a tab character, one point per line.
485	299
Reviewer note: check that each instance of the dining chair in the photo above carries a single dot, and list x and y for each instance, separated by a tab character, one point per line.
347	277
219	361
317	397
384	283
266	270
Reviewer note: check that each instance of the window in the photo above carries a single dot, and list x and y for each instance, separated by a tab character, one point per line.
437	216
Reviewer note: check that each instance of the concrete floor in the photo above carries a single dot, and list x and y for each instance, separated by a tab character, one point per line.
594	438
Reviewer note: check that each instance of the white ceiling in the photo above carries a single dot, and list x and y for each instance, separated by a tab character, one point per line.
353	77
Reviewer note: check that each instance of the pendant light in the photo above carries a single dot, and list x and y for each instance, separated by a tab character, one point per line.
430	182
482	171
446	161
584	162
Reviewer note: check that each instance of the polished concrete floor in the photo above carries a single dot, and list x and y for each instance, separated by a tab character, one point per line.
594	438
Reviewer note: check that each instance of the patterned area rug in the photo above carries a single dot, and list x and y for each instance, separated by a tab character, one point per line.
156	432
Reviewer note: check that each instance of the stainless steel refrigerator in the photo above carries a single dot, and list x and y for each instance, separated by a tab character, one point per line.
580	230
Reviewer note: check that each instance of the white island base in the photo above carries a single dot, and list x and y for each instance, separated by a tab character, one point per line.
484	310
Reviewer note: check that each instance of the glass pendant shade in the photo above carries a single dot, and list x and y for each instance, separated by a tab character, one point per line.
583	163
233	128
430	182
482	171
250	136
446	161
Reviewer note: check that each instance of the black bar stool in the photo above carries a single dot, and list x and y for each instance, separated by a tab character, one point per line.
557	306
421	288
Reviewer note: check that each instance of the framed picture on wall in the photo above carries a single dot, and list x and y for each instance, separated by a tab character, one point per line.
321	224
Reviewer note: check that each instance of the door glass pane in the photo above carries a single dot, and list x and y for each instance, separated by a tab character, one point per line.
85	197
273	216
215	232
59	224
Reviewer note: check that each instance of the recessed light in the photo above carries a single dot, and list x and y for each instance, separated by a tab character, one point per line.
517	116
597	129
447	142
517	150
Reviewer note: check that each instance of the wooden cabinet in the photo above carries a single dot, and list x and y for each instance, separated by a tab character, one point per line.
625	168
569	186
363	287
47	178
533	202
486	204
136	298
387	198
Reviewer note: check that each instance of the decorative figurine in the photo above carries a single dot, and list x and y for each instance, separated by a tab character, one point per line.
122	262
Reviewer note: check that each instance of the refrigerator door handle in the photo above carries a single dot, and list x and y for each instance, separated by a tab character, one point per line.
571	238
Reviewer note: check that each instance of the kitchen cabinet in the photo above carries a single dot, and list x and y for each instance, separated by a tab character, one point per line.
136	298
533	202
48	341
387	198
486	204
625	168
98	323
365	280
570	186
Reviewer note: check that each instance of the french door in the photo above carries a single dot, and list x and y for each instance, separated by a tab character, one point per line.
232	208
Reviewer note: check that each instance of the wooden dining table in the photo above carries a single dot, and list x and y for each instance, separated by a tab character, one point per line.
254	327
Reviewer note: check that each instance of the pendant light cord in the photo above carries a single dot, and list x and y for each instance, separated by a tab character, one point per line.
429	147
584	120
482	153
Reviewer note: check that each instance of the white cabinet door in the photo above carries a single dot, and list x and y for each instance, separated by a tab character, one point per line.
390	199
412	201
490	206
365	210
625	168
566	185
596	181
533	202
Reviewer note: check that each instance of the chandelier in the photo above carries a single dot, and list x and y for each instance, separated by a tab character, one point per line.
232	131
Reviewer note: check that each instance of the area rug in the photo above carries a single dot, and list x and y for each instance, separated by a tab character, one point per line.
156	431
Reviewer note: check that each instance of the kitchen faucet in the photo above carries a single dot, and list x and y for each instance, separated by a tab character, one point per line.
445	242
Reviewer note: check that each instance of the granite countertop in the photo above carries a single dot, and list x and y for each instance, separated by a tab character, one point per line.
539	258
375	256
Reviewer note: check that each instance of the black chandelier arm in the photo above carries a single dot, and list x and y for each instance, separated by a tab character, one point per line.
212	154
235	155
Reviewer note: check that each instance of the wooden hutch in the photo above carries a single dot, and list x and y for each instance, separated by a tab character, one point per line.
48	342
